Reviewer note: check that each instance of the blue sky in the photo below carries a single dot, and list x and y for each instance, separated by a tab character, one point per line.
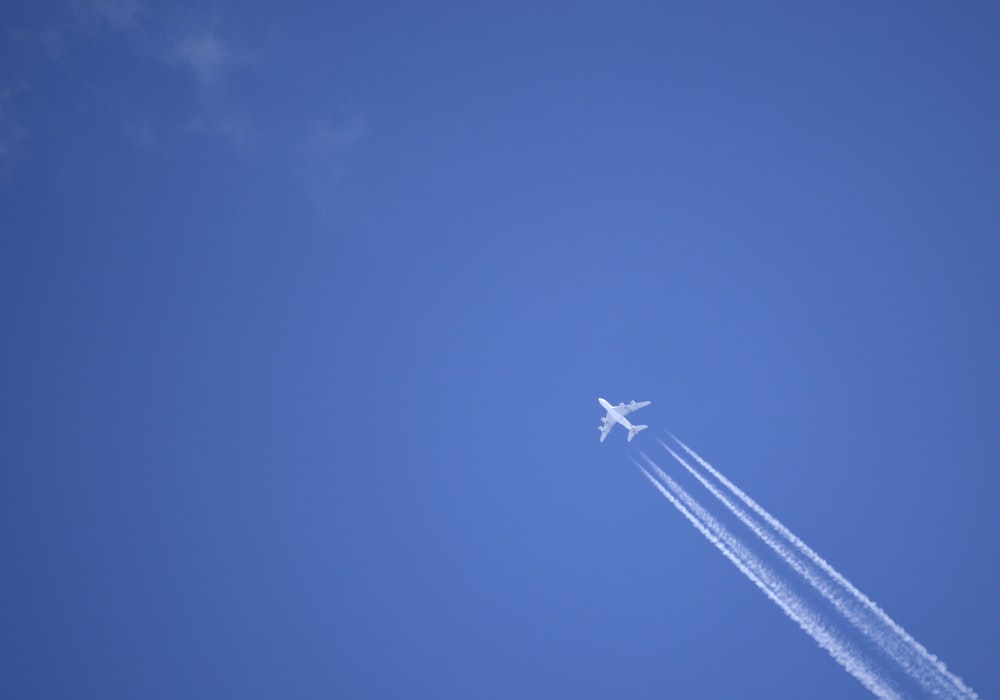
306	310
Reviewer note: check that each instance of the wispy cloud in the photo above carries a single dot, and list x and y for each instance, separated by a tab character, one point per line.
171	38
236	128
205	55
322	156
331	138
196	44
120	15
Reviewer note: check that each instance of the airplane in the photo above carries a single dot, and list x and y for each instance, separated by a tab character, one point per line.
616	414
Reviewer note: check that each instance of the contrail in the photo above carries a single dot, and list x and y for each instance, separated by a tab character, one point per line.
906	650
772	586
891	645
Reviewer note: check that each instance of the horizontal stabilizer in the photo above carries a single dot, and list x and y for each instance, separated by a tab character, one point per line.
635	429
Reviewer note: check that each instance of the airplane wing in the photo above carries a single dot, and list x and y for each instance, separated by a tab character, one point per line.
623	409
606	427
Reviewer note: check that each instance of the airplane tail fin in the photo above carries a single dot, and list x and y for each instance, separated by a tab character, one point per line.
635	429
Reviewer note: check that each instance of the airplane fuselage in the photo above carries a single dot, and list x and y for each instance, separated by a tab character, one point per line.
615	415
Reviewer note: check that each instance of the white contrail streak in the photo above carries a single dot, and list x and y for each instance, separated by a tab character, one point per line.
772	586
891	645
923	666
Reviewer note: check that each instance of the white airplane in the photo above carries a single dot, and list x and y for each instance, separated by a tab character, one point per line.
616	414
